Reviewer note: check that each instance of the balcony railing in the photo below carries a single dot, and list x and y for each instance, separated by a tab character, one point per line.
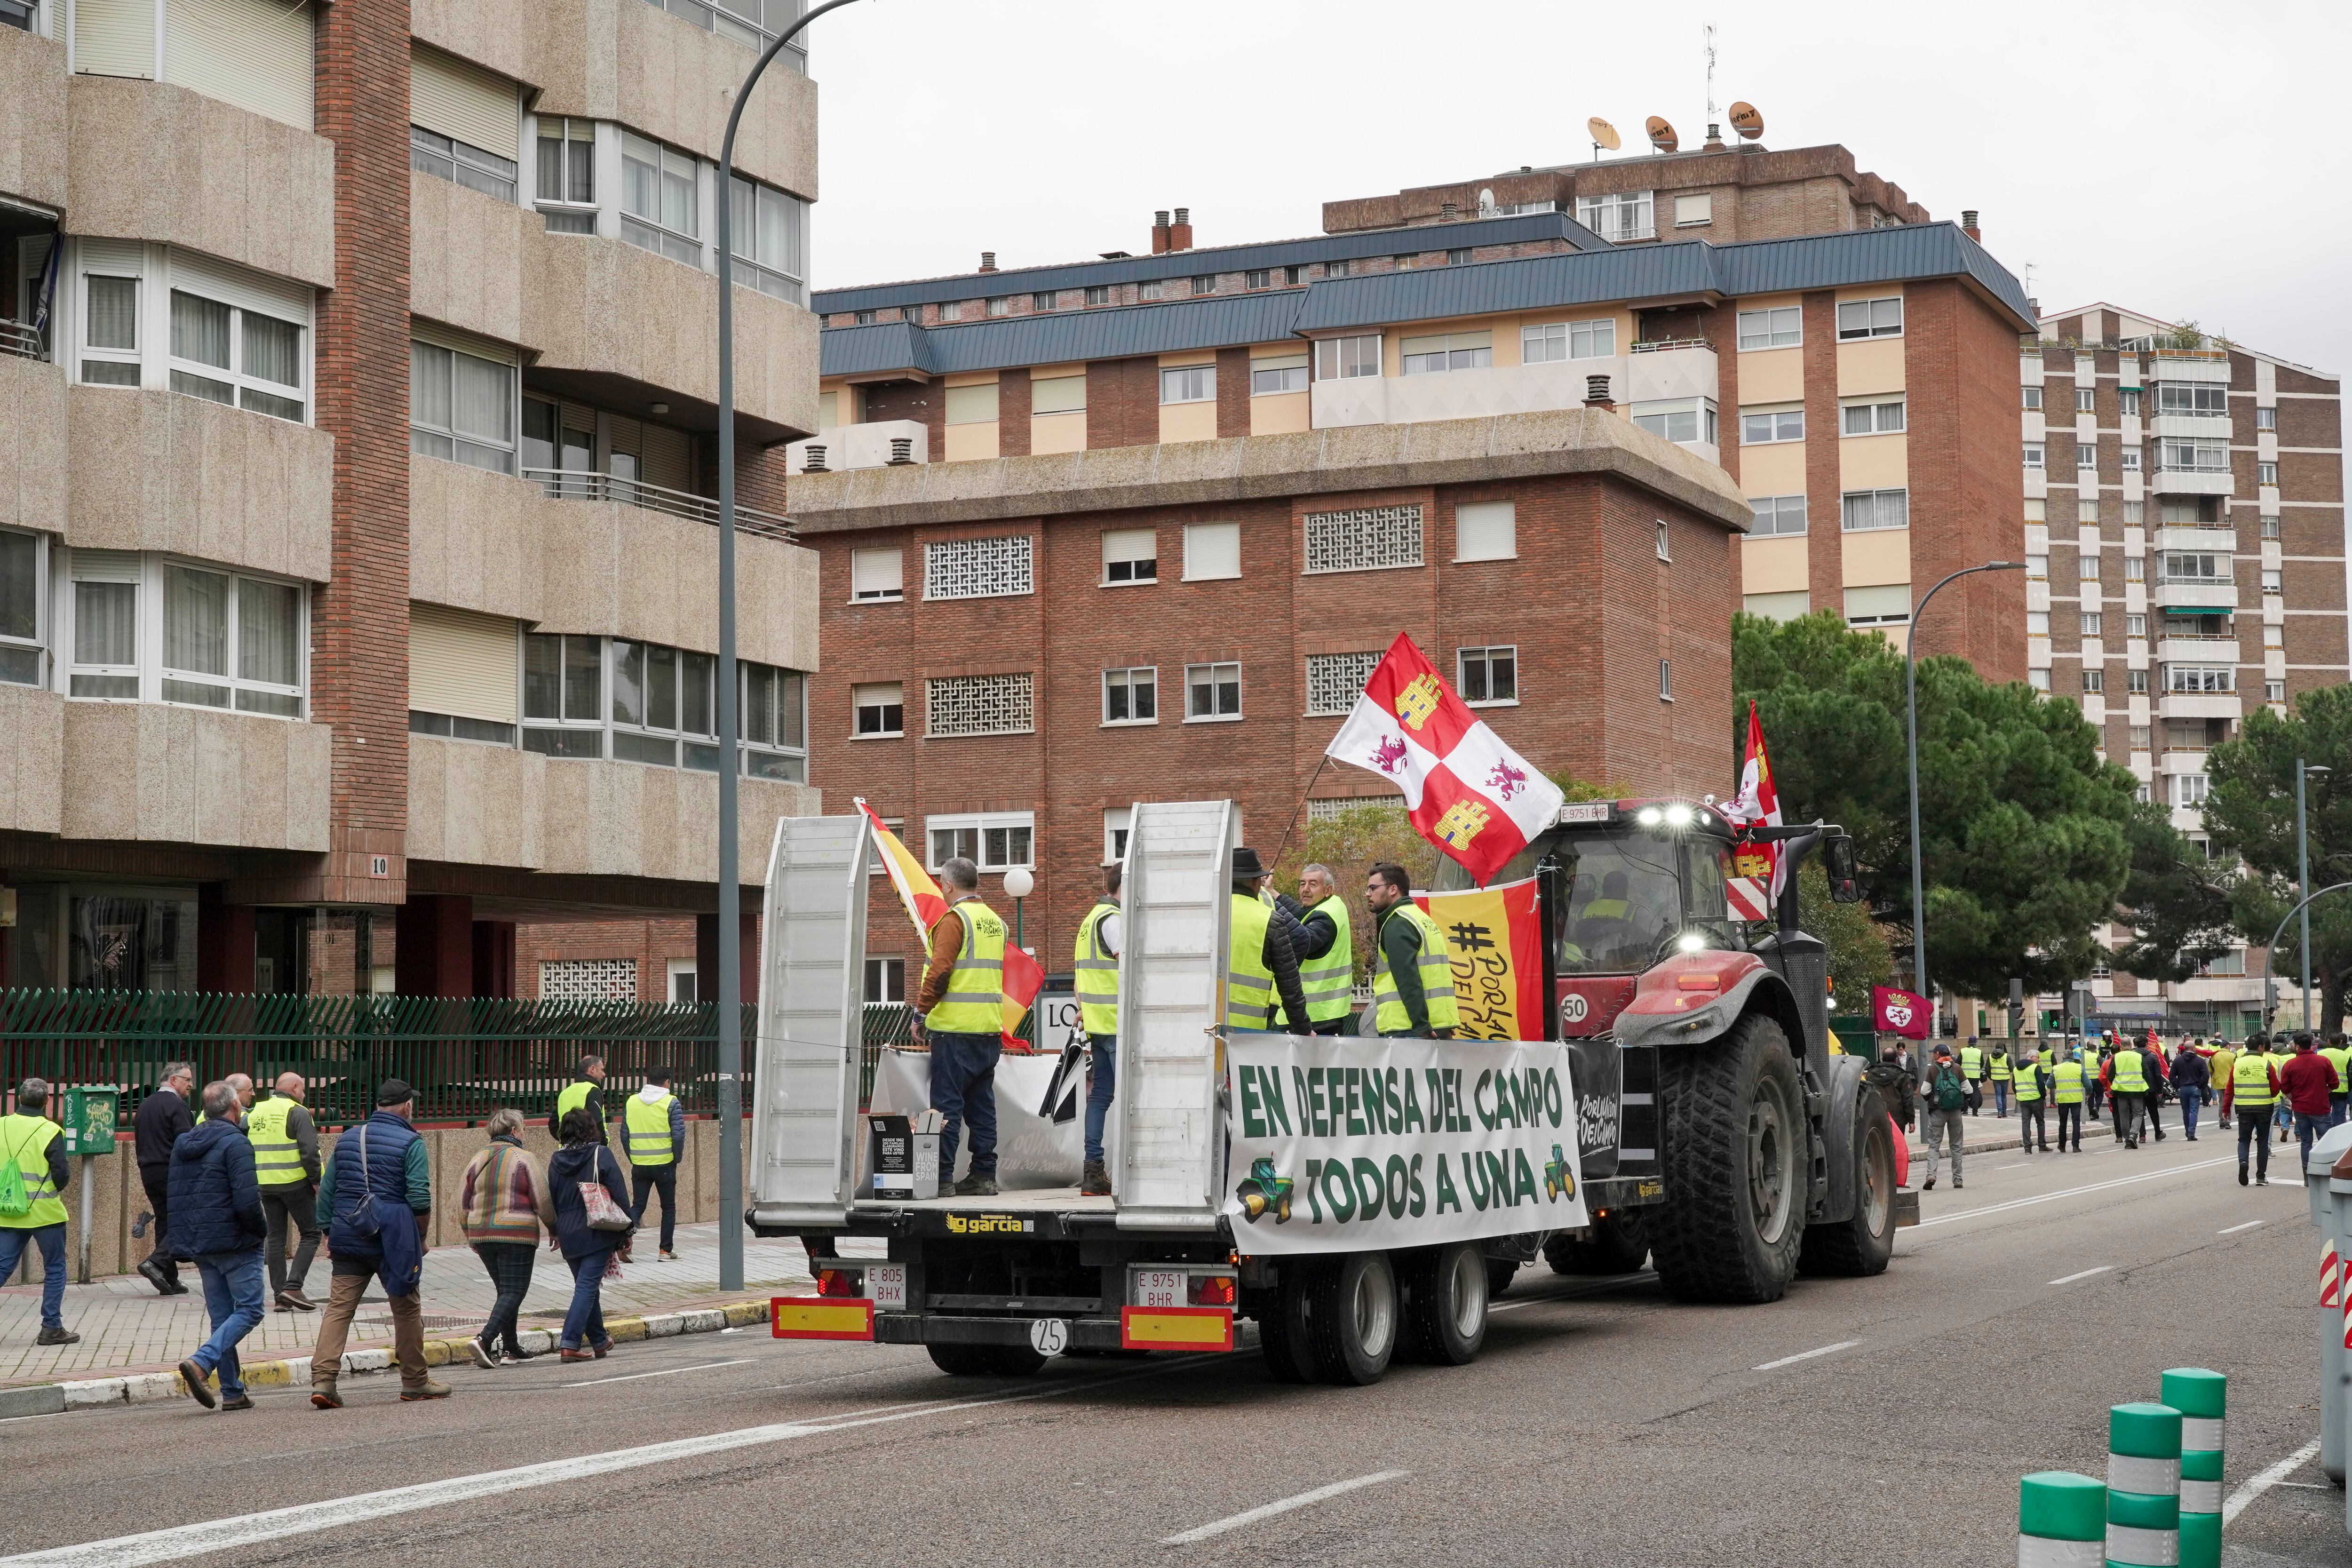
745	22
1667	345
18	338
581	484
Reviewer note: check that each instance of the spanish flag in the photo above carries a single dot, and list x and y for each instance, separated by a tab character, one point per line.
925	904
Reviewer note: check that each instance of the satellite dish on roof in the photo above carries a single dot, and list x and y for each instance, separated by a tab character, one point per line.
1604	133
1746	120
1662	134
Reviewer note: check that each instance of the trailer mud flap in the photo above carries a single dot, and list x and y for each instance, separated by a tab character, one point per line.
821	1318
1599	1072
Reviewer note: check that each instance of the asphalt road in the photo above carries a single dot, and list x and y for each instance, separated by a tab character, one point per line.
1602	1424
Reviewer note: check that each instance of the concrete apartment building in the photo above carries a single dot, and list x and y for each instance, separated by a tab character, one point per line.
2185	552
357	574
1109	529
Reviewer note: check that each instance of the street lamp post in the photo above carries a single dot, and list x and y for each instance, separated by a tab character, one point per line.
1911	704
2303	881
2270	986
730	888
1018	884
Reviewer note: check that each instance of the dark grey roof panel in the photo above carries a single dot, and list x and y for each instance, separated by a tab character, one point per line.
1521	230
1533	283
1891	254
863	350
1067	338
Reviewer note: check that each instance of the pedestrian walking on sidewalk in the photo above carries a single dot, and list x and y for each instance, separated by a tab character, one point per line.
286	1163
2031	1081
2308	1081
654	1121
2218	1068
375	1201
586	1088
583	1163
2192	1081
2250	1091
505	1200
162	1119
217	1223
2066	1081
38	1146
1944	1097
2003	1071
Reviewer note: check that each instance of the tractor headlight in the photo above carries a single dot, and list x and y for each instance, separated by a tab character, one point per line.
1678	816
1691	942
1650	817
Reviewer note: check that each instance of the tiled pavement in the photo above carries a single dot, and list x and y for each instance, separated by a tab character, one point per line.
126	1327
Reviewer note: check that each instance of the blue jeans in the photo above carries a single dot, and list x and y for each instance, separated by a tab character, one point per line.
2336	1110
2191	1099
963	1086
583	1325
2254	1124
52	1241
2001	1096
1105	1083
2307	1127
232	1282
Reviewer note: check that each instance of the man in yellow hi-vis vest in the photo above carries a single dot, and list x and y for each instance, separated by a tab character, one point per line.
1413	973
1094	977
961	1009
38	1146
586	1090
1261	961
2066	1080
1326	968
286	1163
652	1121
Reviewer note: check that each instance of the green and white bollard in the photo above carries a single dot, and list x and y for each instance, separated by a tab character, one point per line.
2143	1486
2061	1520
2202	1398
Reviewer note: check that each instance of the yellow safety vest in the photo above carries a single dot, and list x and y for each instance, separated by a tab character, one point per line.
27	1140
2066	1082
2127	1075
1249	984
2222	1061
974	1001
1097	973
2028	1081
573	1097
276	1158
1329	981
2336	1056
2249	1081
1999	1070
1436	967
645	1124
1971	1062
1605	909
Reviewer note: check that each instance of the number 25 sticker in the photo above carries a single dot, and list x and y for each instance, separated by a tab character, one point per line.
1049	1336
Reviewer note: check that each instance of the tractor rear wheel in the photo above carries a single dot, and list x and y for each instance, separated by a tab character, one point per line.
1737	1166
1862	1244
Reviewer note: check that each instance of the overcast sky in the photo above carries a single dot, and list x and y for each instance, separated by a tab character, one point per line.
2166	157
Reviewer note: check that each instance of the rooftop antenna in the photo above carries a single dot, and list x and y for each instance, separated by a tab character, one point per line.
1603	135
1710	73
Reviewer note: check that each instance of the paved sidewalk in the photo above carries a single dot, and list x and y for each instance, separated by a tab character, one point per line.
125	1326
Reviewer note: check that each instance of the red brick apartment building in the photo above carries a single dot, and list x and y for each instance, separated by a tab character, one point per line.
1136	528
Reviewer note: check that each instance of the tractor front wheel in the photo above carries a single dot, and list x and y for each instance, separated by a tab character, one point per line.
1738	1164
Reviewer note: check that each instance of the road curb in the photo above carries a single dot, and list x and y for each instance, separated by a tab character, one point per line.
151	1387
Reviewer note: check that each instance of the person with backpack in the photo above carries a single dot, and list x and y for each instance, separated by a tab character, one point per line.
33	1207
374	1202
1945	1096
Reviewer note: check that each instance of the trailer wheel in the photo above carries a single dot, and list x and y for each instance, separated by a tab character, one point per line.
1616	1246
1444	1297
1862	1244
1737	1164
1500	1272
985	1361
1282	1331
1352	1320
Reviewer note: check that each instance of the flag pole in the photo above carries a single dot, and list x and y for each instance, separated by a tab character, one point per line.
1297	808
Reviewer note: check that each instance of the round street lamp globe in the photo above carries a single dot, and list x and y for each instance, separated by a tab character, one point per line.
1019	883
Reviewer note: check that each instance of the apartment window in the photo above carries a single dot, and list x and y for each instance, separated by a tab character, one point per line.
1335	269
2271	526
2265	418
2086	455
1776	516
2086	512
996	841
2204	679
1447	351
1259	277
2193	400
2136	682
645	706
978	705
1151	287
2135	514
2143	792
1663	542
2129	397
1269	376
2085	399
2037	623
1098	294
2274	637
1189	384
772	703
1866	510
1626	216
1458	257
1568	340
1761	429
885	981
430	153
1406	262
2197	457
1363	539
109	330
2094	682
2270	584
1872	418
1781	327
2033	400
877	708
877	575
2188	790
2140	737
105	599
1212	691
658	209
1212	551
977	568
1486	531
864	318
2135	625
2034	454
2267	474
1488	675
2134	568
1870	319
1131	555
461	406
2091	622
2131	460
949	310
1131	696
1341	358
226	355
2195	568
1205	285
231	641
1001	305
1042	301
975	405
1117	821
1334	680
765	229
1666	680
566	193
1692	211
2088	566
2037	568
1682	419
24	578
1058	395
2273	690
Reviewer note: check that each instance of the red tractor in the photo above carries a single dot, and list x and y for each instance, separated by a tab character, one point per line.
1721	1133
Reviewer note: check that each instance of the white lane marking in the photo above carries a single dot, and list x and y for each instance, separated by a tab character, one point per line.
2256	1486
1808	1355
2086	1274
1267	1510
2067	1193
666	1372
183	1541
2234	1229
2310	1486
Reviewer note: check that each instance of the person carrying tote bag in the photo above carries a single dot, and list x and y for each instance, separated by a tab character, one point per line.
592	1229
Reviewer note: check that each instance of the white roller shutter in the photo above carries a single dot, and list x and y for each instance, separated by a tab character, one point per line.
461	100
255	54
462	664
114	37
463	343
241	287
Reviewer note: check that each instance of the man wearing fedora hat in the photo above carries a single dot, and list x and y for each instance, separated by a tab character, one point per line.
1263	963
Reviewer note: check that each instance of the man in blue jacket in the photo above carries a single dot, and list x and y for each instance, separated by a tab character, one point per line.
375	1183
217	1222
